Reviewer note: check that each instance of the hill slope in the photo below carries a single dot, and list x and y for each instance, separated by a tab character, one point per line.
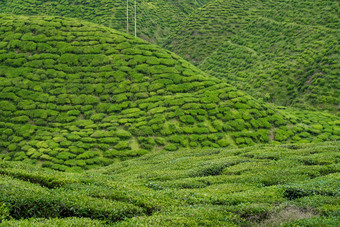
285	52
77	95
156	18
256	186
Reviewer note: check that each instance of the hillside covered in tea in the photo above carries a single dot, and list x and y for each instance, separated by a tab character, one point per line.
156	18
286	185
77	95
282	52
285	52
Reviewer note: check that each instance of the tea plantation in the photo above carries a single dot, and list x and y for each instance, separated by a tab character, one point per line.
284	52
76	95
282	185
156	18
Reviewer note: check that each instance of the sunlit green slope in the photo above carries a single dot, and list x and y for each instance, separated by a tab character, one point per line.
156	18
288	185
77	95
284	52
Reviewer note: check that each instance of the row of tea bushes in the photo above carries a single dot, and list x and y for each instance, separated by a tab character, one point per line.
94	95
210	187
285	52
155	18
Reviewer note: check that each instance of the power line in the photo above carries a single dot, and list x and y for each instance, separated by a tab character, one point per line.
135	18
127	16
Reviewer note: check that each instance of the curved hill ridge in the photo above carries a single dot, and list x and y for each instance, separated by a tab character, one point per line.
77	95
156	18
283	52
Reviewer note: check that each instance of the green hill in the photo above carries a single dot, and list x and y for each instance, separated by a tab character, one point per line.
283	52
287	185
77	95
156	18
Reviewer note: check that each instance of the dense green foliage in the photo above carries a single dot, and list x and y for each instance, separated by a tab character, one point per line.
156	18
283	52
286	52
292	185
134	135
77	95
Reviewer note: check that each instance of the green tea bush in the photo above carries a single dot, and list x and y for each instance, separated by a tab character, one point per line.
122	145
171	147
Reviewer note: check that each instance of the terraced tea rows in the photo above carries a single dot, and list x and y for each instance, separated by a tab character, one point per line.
77	95
286	185
156	18
282	52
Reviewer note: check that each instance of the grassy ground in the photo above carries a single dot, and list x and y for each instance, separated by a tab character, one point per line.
264	185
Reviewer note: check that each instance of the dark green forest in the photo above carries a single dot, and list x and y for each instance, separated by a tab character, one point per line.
220	113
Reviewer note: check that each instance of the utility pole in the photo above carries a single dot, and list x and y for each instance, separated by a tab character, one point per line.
135	18
127	16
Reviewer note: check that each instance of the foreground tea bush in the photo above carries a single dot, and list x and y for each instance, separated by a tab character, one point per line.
75	96
54	222
259	185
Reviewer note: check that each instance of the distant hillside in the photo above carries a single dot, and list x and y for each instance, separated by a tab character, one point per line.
156	18
78	95
284	52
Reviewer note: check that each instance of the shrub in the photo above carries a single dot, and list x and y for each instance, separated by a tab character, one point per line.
21	119
103	107
12	147
98	117
110	140
160	141
8	106
281	135
201	130
121	145
123	134
238	124
142	131
187	119
263	135
65	155
223	143
88	154
171	147
277	119
240	140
